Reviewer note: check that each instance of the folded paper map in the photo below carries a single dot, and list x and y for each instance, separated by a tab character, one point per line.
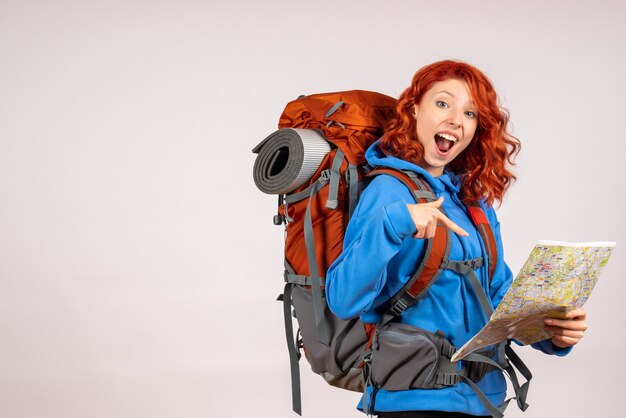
557	278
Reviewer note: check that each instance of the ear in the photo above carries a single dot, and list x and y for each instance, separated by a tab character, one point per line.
414	110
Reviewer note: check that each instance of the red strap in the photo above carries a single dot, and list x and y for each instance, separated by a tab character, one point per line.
479	218
429	267
478	215
433	262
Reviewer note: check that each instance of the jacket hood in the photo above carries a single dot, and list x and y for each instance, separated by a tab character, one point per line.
448	180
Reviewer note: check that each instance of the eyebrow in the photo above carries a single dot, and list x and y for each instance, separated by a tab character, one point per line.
452	95
447	92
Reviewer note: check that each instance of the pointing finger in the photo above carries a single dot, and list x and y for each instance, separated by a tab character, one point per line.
451	225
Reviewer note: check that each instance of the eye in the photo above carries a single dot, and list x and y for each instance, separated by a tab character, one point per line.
470	114
441	104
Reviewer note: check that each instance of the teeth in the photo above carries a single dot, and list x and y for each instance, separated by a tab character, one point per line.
448	137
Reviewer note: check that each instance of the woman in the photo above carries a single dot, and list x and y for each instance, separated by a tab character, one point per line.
450	131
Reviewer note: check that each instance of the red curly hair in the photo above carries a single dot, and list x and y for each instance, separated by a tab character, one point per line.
483	164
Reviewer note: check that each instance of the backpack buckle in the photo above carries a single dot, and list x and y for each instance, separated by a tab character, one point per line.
448	350
449	379
324	175
398	307
278	218
476	263
476	371
445	261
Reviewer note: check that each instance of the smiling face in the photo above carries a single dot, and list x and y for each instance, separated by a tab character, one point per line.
446	120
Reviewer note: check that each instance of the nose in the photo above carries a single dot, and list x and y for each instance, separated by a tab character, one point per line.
454	124
454	120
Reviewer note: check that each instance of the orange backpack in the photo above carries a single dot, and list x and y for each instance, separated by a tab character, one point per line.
316	214
315	163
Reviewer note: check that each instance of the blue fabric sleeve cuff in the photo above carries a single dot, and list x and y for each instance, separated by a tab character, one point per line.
400	219
547	347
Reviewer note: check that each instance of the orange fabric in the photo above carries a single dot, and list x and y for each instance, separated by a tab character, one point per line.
477	215
364	116
328	227
370	331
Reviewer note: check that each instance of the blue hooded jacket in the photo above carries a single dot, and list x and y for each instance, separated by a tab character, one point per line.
380	256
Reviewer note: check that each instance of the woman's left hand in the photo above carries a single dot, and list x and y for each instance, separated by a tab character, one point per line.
569	331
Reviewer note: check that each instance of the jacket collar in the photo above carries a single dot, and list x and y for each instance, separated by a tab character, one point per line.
449	180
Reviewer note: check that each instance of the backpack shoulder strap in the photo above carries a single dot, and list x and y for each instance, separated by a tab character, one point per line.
420	190
480	221
435	254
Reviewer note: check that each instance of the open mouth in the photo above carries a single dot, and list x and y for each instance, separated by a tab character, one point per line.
445	142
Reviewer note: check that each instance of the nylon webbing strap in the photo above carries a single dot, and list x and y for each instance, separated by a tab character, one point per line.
466	269
476	370
301	279
332	202
333	109
323	334
353	182
521	391
288	268
519	365
423	192
296	197
494	411
292	348
482	359
367	378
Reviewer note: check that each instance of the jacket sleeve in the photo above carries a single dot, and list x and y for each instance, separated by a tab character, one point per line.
503	277
374	236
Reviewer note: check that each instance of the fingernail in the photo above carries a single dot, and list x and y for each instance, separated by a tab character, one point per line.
549	321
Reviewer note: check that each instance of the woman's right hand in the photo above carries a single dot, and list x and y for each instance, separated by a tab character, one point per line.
425	217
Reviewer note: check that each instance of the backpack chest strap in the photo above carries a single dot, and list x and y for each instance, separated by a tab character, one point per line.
466	269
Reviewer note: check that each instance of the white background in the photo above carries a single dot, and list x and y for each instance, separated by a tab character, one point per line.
139	265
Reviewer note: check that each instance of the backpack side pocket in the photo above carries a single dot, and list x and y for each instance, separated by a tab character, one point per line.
337	362
405	357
